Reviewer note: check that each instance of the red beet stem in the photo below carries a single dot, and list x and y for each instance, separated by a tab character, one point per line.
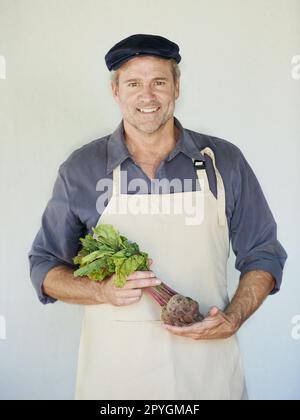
166	295
156	296
169	289
162	293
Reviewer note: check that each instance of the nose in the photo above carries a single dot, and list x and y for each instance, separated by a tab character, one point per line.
147	92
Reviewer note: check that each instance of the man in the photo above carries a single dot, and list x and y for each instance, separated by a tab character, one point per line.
125	351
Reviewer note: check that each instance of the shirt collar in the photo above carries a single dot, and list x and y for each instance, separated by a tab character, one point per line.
117	150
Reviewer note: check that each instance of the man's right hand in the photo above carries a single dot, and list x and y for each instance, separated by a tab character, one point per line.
61	284
133	289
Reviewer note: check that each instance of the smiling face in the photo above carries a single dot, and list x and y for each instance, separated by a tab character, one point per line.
146	93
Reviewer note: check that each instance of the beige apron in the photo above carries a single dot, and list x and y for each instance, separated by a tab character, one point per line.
124	351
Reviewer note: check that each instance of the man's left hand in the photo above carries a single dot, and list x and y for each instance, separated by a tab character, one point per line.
216	325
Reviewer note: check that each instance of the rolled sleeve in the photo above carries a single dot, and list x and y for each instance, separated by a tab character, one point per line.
57	242
253	229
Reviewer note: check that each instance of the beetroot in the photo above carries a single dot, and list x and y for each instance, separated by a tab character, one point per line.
177	310
181	311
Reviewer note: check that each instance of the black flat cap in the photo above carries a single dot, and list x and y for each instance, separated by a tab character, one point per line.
141	44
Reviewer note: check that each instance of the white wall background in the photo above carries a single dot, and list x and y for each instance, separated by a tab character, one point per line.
236	83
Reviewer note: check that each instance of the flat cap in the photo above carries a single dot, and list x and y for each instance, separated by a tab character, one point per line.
141	44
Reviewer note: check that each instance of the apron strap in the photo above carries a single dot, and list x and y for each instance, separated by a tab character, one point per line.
202	176
203	179
116	181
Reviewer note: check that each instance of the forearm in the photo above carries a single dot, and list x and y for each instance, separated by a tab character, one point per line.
254	288
61	284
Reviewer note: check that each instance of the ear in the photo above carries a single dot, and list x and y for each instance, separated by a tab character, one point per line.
115	92
177	88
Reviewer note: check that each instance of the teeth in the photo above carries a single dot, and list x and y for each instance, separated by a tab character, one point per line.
148	110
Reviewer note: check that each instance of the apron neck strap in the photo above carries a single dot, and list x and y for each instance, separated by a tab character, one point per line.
203	180
117	181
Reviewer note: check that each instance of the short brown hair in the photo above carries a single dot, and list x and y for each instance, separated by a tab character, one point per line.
114	74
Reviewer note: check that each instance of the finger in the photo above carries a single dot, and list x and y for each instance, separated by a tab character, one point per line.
211	322
213	312
128	293
137	284
141	275
127	301
182	334
199	335
150	261
179	330
199	328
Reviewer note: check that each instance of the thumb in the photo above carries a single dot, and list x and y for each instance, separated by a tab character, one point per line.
150	261
213	311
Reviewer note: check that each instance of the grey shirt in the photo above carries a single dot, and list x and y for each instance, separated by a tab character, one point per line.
72	211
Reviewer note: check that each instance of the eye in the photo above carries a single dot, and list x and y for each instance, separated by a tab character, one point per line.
160	83
133	84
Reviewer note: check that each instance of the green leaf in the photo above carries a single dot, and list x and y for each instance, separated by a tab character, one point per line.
95	255
100	274
89	243
127	267
82	253
90	268
124	241
108	235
